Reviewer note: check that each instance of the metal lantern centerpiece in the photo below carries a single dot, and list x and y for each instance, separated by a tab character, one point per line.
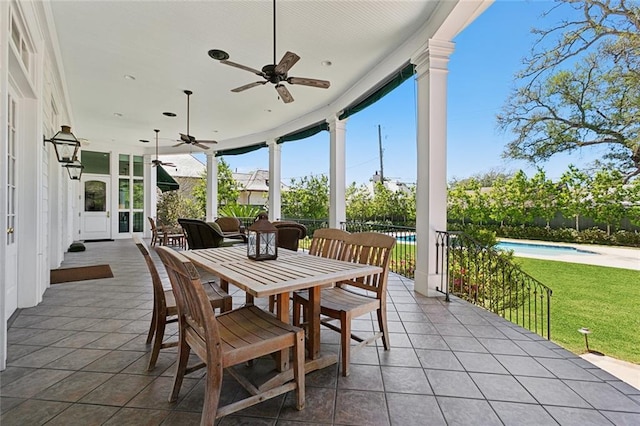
262	238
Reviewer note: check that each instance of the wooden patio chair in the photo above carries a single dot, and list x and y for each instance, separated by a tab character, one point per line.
164	305
162	236
351	299
231	338
326	242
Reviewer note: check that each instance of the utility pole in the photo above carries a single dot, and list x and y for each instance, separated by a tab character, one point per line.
380	148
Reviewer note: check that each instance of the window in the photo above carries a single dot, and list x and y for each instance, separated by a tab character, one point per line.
95	162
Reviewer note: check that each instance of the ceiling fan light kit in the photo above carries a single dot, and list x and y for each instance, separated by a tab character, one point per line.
275	73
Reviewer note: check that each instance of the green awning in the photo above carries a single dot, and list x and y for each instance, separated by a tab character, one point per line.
386	86
164	180
241	150
304	133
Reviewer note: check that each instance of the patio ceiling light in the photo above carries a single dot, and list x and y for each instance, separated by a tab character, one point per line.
74	169
65	144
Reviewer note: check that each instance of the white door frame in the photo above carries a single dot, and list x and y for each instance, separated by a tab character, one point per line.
96	224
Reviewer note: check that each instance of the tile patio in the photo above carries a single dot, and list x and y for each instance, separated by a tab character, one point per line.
80	357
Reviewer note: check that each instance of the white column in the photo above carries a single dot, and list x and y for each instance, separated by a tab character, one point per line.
275	178
150	193
337	174
431	189
212	187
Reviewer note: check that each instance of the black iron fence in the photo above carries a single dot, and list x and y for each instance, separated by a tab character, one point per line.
488	278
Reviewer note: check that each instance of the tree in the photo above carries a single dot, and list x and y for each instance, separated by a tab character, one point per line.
608	196
544	197
307	197
227	187
574	194
173	205
594	101
359	203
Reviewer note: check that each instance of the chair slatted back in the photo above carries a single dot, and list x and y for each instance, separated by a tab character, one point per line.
196	318
159	300
369	248
328	242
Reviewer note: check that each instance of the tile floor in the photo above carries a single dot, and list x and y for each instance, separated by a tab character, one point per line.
79	358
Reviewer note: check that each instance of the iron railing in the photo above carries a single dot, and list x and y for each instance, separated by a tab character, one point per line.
469	270
488	278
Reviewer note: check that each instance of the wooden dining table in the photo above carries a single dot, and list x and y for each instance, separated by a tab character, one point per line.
291	271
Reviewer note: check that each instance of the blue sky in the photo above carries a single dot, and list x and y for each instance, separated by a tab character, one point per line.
488	54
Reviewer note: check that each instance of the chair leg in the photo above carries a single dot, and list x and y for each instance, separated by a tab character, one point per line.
227	304
298	369
345	342
382	323
272	304
157	342
213	386
183	356
153	325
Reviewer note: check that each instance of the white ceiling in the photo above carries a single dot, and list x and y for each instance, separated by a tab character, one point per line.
164	45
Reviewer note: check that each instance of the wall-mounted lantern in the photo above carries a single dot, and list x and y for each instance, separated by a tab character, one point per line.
66	145
74	169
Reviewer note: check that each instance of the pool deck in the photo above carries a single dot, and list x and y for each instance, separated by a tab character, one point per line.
615	257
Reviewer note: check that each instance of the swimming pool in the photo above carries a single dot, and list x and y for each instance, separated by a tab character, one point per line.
525	248
541	249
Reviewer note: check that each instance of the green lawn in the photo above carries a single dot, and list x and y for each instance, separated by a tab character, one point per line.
606	300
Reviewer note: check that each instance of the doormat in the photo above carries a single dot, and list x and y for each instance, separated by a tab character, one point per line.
65	275
99	240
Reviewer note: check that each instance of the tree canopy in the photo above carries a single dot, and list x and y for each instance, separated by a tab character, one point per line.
227	187
581	87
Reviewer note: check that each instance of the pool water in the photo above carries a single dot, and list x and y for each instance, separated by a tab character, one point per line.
526	248
541	249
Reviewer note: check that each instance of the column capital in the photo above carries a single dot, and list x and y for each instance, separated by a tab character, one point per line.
335	123
210	155
435	56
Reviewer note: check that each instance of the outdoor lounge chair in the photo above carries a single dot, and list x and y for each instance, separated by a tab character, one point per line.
201	234
232	228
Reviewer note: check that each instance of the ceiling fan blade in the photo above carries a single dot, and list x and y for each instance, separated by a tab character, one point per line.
199	141
169	164
243	67
248	86
199	145
178	144
288	60
322	84
284	93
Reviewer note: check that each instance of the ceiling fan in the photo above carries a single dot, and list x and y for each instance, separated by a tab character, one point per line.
188	139
157	162
272	73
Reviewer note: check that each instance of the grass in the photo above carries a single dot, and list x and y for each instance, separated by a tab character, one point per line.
605	300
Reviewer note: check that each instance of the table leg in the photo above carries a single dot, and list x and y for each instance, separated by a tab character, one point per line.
282	309
313	318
